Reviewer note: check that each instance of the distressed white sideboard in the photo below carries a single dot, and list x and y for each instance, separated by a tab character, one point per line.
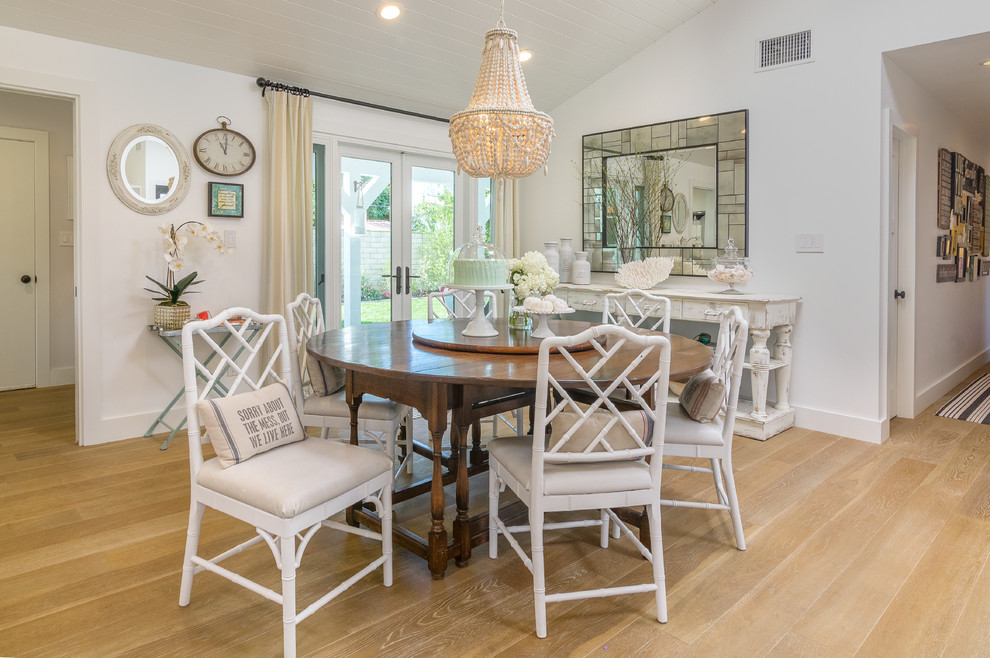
756	419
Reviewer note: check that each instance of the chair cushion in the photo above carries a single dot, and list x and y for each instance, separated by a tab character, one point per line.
325	378
294	478
516	455
335	404
618	437
703	396
681	429
243	425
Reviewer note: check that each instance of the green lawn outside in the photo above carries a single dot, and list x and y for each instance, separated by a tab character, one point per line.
380	311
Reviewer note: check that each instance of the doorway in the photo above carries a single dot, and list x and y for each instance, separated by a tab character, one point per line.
24	258
900	174
399	217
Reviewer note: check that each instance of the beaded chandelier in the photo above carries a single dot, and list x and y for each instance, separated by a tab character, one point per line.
500	134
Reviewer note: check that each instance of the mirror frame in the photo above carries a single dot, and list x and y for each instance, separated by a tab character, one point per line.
116	175
728	132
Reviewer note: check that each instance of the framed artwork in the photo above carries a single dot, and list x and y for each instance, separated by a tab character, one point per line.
985	267
225	200
665	224
945	273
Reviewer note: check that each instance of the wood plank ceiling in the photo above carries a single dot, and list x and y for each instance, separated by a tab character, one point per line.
426	61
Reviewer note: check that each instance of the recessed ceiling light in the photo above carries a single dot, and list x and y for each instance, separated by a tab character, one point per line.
986	63
389	12
704	118
525	55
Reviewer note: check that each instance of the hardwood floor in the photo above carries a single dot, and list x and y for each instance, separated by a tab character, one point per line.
854	549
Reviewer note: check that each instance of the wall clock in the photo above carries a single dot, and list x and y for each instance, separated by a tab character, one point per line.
224	152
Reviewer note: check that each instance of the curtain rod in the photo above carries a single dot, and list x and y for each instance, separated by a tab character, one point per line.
300	91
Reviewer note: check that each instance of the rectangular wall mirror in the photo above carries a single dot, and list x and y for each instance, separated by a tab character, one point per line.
667	189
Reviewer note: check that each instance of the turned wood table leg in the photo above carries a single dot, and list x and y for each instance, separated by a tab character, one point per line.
462	524
477	454
437	539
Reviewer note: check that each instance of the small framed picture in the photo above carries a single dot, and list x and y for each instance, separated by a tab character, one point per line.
665	224
225	200
985	267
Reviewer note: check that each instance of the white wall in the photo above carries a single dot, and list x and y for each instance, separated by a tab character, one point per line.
952	330
128	375
815	143
55	117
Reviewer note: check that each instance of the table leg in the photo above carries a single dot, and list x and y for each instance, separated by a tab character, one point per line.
353	403
462	524
759	358
782	376
437	539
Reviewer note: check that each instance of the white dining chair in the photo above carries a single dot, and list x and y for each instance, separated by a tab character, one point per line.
650	311
603	453
267	472
700	424
451	304
320	394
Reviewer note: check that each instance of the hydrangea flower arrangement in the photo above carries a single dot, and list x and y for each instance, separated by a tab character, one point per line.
532	276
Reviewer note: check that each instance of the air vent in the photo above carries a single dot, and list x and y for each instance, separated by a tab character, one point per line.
785	50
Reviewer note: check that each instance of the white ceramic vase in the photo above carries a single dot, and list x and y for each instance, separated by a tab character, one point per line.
581	269
566	260
552	253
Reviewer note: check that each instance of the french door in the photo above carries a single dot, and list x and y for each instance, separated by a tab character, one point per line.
399	218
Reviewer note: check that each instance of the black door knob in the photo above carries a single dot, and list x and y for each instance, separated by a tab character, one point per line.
898	293
26	279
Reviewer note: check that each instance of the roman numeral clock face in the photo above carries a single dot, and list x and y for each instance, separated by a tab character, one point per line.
224	152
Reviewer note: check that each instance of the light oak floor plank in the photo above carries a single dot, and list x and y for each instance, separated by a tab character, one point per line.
853	548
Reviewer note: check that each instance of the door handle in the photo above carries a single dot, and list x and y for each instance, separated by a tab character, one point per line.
409	276
898	293
26	278
398	279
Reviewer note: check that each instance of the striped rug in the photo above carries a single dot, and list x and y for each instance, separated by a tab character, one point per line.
972	403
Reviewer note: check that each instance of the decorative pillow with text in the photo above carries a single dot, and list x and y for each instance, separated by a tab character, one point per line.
243	425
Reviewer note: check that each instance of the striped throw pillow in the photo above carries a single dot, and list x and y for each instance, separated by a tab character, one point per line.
247	424
325	378
703	396
618	436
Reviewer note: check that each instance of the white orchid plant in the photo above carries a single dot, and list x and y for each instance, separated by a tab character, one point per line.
532	276
175	239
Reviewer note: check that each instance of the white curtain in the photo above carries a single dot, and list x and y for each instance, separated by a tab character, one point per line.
505	211
288	234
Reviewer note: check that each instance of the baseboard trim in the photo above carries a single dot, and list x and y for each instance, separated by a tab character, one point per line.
130	427
870	430
931	395
62	376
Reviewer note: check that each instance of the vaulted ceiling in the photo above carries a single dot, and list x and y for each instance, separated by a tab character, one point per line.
425	61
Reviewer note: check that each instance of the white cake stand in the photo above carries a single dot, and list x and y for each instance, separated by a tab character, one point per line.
480	326
542	329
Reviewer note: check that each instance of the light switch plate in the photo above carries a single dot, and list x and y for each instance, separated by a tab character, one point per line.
810	243
230	238
65	238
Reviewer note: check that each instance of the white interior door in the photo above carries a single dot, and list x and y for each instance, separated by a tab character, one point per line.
23	234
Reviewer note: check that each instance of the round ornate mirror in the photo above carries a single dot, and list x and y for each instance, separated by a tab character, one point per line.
148	169
680	213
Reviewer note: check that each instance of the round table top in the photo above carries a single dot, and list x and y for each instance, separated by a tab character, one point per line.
446	334
387	349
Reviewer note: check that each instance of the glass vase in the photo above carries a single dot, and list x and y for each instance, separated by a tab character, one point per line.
519	321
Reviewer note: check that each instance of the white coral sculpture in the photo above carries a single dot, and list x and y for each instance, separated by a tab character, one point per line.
644	274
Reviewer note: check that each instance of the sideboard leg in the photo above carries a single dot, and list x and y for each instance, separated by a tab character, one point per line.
782	376
759	357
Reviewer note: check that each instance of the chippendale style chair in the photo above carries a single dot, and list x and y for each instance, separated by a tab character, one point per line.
652	311
712	440
595	454
267	472
379	418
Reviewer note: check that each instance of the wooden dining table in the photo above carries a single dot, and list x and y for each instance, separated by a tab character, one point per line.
430	366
